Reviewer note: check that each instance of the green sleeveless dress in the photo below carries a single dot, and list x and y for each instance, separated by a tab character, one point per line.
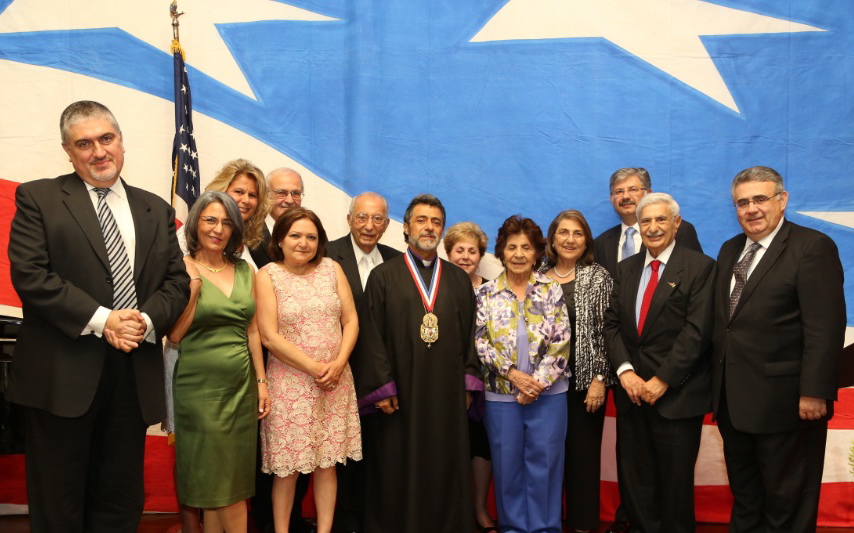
216	399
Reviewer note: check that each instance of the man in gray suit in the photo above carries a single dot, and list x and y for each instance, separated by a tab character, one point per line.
97	267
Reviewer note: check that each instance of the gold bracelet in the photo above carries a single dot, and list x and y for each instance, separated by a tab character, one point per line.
264	381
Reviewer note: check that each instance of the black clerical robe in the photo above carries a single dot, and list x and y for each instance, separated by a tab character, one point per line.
418	457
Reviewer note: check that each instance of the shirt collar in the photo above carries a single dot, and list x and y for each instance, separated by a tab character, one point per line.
419	259
118	188
375	253
664	256
623	228
765	242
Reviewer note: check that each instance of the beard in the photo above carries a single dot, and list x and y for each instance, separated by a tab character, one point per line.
416	242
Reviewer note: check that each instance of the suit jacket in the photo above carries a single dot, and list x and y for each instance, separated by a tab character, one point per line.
605	245
61	272
784	339
675	344
260	254
341	251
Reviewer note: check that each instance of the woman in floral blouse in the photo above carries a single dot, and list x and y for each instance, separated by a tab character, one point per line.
523	338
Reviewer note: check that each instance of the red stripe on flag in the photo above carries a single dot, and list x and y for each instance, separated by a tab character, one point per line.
7	211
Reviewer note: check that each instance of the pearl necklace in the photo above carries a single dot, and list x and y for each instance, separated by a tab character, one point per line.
214	270
558	274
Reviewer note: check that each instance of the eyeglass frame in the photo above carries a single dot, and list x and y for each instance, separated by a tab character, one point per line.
281	194
757	200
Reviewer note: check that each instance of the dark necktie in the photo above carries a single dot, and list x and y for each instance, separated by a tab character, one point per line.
740	273
647	294
124	292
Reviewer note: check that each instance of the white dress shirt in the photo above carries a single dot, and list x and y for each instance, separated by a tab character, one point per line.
636	237
366	262
764	243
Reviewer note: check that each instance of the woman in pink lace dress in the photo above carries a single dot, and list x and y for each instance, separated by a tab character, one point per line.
308	322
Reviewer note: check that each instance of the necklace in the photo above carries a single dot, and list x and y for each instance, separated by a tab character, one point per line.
558	274
214	270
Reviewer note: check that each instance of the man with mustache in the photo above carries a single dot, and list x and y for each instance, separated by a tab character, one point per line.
97	266
779	330
358	253
658	331
628	186
415	367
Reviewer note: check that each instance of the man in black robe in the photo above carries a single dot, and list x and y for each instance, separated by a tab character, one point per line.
416	367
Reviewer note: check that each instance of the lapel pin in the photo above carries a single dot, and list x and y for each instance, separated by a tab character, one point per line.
672	284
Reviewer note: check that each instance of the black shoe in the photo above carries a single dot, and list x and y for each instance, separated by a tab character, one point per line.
618	527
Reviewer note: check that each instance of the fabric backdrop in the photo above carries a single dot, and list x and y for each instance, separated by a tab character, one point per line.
496	106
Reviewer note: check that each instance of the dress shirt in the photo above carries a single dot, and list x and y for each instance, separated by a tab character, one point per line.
117	201
270	222
636	237
764	243
362	260
646	274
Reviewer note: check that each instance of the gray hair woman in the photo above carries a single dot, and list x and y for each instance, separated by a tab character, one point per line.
219	385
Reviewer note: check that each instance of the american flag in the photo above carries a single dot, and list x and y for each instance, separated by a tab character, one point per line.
185	157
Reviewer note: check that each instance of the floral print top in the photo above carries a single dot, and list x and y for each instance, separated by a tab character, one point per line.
547	321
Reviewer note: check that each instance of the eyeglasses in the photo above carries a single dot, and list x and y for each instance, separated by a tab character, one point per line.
630	190
281	194
758	200
213	221
362	218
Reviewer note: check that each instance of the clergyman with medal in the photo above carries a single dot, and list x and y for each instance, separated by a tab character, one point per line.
416	367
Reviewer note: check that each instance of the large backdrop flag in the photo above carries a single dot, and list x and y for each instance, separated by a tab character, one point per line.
496	106
185	158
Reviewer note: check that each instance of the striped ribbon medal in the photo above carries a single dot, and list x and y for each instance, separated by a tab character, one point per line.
430	322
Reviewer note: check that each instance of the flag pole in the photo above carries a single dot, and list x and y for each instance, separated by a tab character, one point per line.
185	163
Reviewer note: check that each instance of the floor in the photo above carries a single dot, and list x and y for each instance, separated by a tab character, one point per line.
162	523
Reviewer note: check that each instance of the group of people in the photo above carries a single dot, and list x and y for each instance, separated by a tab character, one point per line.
403	382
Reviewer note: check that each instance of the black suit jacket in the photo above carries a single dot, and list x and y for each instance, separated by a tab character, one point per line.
61	272
784	339
260	254
341	251
605	245
676	339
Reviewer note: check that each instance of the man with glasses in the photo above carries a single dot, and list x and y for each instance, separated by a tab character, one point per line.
358	253
286	191
779	329
628	186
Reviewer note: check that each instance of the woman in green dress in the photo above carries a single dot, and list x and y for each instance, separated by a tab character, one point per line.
219	386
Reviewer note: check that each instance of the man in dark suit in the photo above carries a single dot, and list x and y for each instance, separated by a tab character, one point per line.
358	253
779	329
658	331
627	187
97	267
286	191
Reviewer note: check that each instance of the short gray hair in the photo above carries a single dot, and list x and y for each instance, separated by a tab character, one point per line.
235	242
82	110
658	198
758	173
367	193
628	172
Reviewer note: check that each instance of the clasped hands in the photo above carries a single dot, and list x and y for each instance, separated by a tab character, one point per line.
640	390
327	375
124	329
528	387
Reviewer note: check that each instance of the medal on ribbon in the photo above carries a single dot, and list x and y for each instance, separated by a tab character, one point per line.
430	322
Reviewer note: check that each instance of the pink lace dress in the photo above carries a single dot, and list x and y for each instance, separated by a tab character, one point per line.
308	428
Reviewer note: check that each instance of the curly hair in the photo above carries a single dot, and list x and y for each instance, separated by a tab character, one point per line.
465	230
254	227
516	225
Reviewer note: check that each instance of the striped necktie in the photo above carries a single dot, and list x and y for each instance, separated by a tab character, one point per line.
629	243
124	292
740	273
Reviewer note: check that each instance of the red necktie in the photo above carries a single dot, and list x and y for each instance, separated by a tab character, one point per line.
647	294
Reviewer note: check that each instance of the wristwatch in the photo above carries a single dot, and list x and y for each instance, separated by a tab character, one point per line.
600	378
